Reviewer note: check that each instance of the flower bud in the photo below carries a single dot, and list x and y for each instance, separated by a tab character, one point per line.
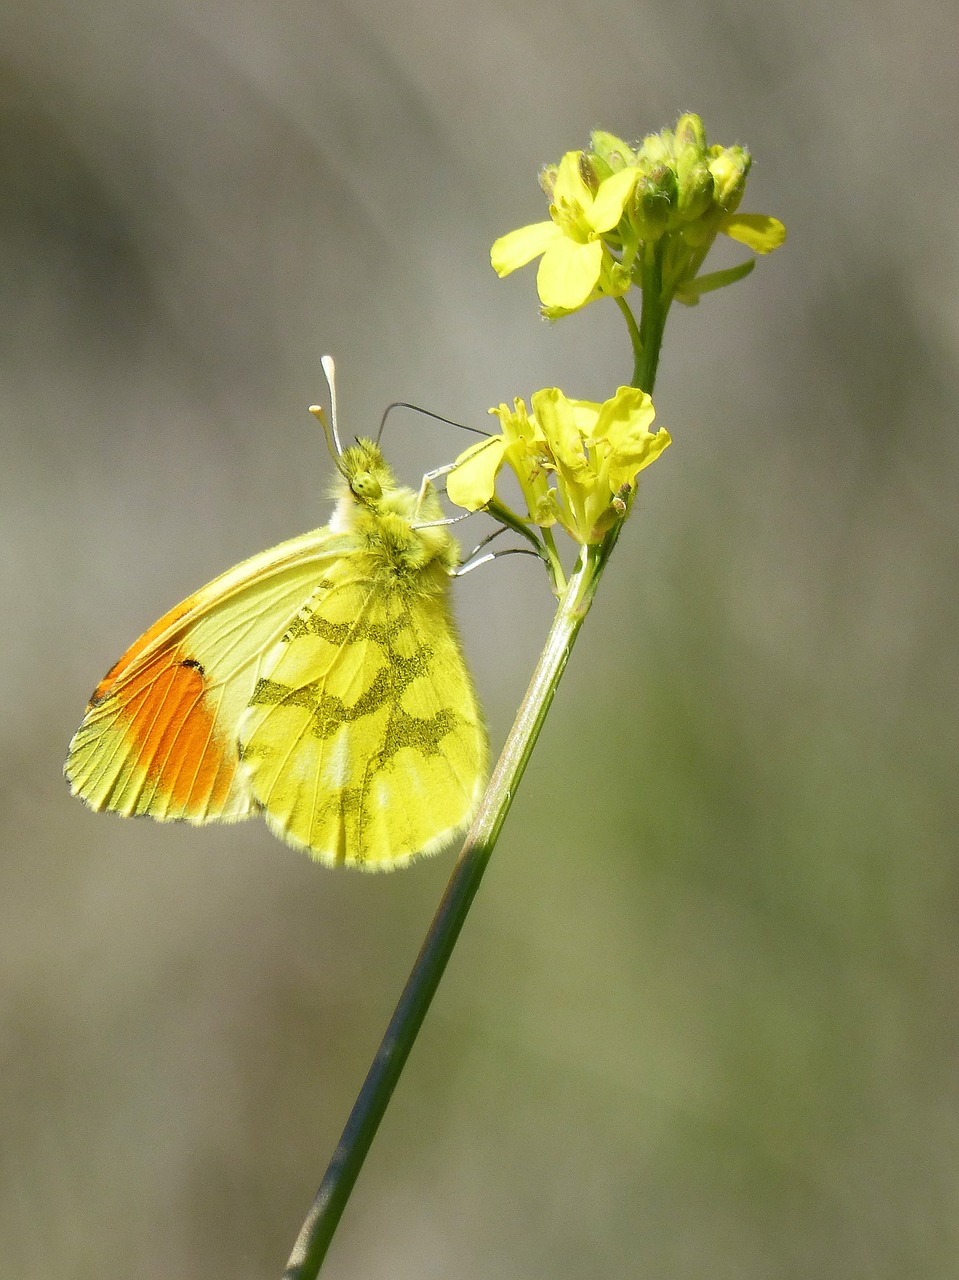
656	150
609	149
654	196
690	134
695	192
692	170
729	167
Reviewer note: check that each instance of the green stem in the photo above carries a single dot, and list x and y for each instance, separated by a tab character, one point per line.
652	319
501	513
556	565
321	1221
652	323
634	337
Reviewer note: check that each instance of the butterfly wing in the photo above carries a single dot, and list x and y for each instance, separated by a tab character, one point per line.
160	732
363	741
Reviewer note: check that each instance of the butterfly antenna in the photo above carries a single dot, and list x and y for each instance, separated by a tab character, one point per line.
329	427
405	404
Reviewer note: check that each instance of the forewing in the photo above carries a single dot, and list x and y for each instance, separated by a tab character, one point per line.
363	741
160	732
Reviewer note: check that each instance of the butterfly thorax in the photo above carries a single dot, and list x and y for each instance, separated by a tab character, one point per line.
393	526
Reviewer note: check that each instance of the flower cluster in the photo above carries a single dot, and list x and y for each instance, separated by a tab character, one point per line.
576	461
616	211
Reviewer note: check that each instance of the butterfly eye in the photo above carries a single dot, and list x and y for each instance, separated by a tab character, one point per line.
365	485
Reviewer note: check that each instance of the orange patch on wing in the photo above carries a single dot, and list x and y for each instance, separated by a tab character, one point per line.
138	646
172	732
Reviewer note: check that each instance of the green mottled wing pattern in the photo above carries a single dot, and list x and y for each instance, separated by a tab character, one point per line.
363	741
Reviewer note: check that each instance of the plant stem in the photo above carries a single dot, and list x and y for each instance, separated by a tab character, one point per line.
321	1221
652	318
634	337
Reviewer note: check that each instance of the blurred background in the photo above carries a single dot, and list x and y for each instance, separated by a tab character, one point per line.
702	1023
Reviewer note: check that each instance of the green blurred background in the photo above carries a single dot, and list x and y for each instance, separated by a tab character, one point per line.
702	1024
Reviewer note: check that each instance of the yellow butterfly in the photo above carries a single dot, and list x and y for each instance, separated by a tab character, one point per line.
320	683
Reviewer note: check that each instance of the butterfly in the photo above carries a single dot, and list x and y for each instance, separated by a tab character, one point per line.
320	683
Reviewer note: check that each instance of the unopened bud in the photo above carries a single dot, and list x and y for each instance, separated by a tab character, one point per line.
656	150
690	133
612	151
654	197
729	167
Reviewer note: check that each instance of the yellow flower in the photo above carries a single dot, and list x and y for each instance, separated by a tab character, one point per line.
576	265
592	451
644	216
472	482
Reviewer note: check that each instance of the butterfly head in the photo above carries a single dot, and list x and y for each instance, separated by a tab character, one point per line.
364	469
367	490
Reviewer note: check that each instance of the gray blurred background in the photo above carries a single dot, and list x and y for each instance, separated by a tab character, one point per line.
702	1024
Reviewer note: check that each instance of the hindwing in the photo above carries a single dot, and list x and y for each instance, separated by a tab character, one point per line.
363	741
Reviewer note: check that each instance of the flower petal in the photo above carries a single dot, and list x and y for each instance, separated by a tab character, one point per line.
556	419
623	421
518	247
607	208
472	481
585	413
757	231
624	470
570	189
623	428
568	273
